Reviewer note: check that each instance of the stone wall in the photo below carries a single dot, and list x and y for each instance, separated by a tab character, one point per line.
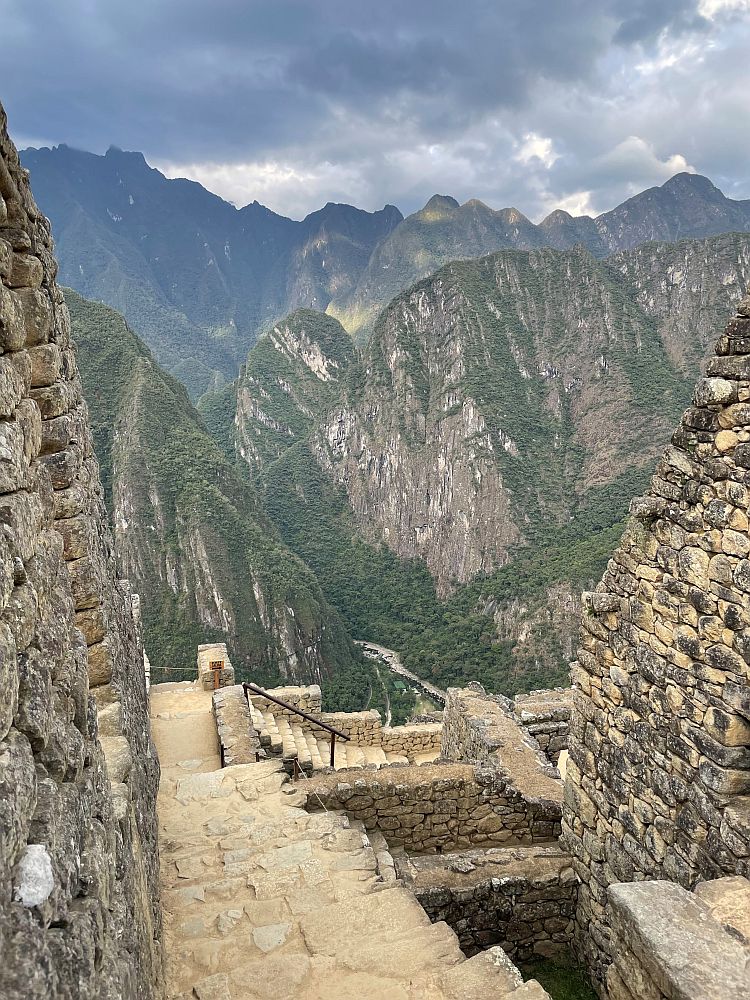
307	698
545	715
669	944
362	728
239	742
367	729
412	739
214	652
522	899
79	914
658	780
438	807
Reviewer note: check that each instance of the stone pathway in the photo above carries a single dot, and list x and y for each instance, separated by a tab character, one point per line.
264	901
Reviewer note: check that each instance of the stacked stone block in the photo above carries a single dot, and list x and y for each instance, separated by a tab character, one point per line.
658	781
239	741
444	807
306	698
670	944
412	739
79	913
522	899
214	652
545	715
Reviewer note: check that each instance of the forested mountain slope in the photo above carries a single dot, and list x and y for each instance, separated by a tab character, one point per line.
470	477
200	279
687	205
189	532
292	375
195	276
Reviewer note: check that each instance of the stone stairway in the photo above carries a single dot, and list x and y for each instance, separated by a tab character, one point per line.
264	901
288	739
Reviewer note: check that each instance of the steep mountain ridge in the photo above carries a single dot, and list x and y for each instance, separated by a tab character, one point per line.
494	431
189	532
200	279
197	277
292	375
497	393
687	205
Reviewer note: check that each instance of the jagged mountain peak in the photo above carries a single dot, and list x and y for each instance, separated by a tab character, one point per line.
440	203
557	217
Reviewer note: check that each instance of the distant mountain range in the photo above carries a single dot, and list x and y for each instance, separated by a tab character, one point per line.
200	279
195	276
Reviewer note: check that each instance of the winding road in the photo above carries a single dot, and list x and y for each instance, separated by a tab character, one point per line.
393	661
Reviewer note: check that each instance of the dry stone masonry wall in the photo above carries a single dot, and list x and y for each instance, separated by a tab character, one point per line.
546	716
523	899
79	915
503	790
429	807
658	780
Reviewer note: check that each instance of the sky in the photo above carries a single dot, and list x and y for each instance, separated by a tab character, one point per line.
538	104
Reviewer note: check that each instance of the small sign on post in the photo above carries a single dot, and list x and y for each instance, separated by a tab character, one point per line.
216	668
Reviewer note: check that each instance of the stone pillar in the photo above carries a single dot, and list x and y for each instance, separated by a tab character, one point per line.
658	778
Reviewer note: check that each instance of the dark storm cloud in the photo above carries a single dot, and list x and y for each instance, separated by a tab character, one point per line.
528	102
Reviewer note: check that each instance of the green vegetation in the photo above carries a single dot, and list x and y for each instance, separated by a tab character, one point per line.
276	381
217	407
190	535
562	980
393	602
565	311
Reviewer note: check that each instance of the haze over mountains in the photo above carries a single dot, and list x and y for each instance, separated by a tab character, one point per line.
443	473
200	279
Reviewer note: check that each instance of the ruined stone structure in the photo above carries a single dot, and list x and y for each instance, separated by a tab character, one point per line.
522	898
658	781
214	666
79	913
268	898
546	716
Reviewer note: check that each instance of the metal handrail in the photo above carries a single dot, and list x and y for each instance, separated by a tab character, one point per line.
298	711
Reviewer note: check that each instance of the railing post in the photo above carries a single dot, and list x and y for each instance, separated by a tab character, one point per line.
333	749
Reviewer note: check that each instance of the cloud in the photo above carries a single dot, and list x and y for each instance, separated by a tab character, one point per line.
533	103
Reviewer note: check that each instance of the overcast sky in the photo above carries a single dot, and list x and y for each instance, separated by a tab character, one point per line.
533	103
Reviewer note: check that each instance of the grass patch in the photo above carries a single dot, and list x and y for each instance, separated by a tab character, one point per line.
561	978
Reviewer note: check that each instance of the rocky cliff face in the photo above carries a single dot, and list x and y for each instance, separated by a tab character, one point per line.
188	530
496	395
687	287
494	431
79	914
292	376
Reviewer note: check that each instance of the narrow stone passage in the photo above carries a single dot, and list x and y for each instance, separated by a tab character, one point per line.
264	901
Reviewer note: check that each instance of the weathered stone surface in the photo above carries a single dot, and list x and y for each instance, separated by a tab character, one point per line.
660	733
79	913
674	937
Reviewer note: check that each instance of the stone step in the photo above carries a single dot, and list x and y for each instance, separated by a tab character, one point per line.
375	755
